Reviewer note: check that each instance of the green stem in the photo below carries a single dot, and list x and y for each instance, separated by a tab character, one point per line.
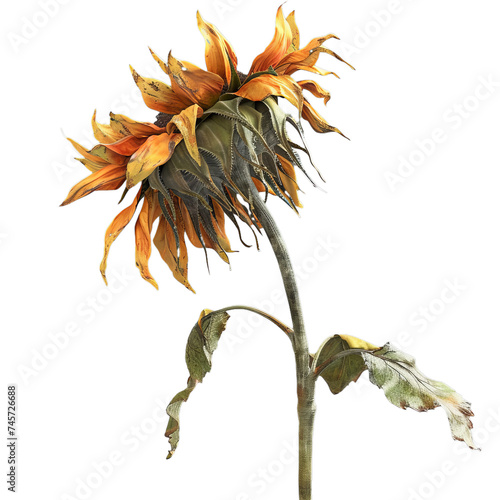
305	378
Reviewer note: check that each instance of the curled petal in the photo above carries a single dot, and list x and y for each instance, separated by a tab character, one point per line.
126	126
264	86
158	95
148	214
218	50
317	122
107	178
105	134
115	228
185	122
156	151
315	89
194	84
277	48
100	154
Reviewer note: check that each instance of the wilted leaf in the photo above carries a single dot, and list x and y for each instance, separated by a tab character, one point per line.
201	344
339	371
405	386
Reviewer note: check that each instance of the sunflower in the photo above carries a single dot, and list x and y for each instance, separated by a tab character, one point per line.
216	131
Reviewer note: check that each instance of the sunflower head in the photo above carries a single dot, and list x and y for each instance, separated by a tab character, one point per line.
219	134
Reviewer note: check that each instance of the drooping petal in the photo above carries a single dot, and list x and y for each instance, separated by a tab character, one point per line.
148	214
194	84
100	154
218	220
185	122
159	96
263	86
295	43
125	125
218	50
277	48
107	178
105	134
315	89
164	241
114	230
288	179
154	152
317	122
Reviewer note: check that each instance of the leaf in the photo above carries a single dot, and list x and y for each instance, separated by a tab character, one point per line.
405	386
339	373
201	344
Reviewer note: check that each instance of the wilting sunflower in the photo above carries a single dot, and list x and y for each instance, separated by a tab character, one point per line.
216	132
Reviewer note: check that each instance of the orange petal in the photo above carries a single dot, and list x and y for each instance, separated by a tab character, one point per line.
154	152
266	85
92	165
164	241
194	84
277	48
189	227
101	154
218	50
114	230
315	89
126	126
107	178
185	122
219	223
289	179
127	146
148	214
295	44
105	134
158	95
96	160
317	122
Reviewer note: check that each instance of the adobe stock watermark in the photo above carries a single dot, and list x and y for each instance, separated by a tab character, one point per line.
453	118
261	479
85	313
367	32
123	105
423	318
223	7
437	478
32	25
323	250
100	471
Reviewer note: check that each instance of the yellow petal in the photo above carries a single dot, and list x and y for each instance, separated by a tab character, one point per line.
158	95
114	230
266	85
315	89
218	50
126	126
277	48
154	152
295	44
107	178
194	84
185	122
105	133
289	180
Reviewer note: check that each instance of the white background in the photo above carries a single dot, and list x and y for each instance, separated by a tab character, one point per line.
370	257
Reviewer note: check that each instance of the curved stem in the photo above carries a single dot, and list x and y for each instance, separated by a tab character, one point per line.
305	379
272	319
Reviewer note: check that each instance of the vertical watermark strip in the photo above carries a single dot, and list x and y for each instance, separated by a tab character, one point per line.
11	438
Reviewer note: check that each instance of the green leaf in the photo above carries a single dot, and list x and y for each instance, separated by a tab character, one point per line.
201	344
405	386
336	369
